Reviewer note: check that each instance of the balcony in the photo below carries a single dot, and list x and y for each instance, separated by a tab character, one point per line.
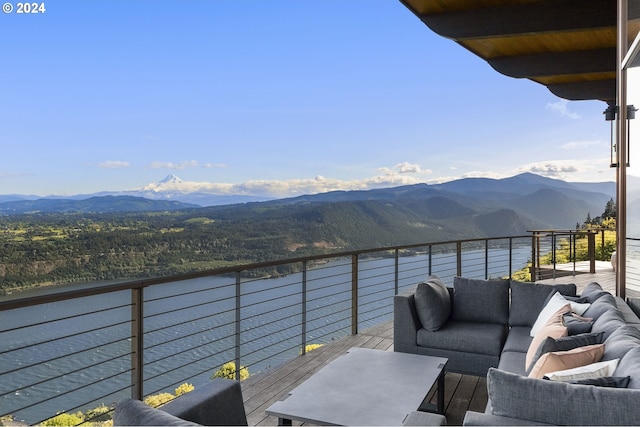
78	348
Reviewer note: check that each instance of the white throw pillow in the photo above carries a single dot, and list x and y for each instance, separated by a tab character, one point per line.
579	308
555	303
594	370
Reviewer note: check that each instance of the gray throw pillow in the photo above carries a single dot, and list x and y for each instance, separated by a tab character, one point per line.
576	325
565	344
617	382
512	395
433	303
485	301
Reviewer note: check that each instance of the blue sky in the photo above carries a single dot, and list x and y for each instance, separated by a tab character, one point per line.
268	97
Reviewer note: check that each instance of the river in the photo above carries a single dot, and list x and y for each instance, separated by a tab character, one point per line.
76	353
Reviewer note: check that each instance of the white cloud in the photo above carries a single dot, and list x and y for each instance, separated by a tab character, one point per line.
593	170
113	164
572	145
584	170
561	107
171	165
404	168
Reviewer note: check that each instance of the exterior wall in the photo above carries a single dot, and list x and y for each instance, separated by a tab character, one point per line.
632	238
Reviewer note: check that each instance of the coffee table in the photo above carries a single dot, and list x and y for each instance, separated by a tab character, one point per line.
364	387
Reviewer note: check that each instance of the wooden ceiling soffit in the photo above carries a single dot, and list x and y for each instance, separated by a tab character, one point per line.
527	18
587	90
554	63
566	45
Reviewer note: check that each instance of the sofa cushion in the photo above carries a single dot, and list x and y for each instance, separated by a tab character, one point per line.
131	412
608	322
480	300
513	361
620	342
577	324
592	370
543	401
591	288
518	339
566	343
433	303
600	306
553	328
469	337
629	366
562	360
528	299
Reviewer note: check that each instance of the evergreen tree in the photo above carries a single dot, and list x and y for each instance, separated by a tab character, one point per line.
609	210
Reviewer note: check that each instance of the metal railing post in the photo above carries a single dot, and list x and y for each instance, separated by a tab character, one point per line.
510	258
237	327
354	294
137	344
553	253
304	307
397	272
486	259
534	255
459	258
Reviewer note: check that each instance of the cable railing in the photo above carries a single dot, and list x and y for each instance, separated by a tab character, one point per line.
557	252
88	346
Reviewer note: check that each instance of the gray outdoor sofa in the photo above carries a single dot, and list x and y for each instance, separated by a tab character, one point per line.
484	327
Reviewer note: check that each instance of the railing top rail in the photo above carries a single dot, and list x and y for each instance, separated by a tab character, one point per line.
18	301
573	230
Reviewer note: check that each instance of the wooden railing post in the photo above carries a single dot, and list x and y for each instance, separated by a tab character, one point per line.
459	258
354	294
137	344
591	244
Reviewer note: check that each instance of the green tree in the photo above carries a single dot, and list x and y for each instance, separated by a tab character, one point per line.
610	210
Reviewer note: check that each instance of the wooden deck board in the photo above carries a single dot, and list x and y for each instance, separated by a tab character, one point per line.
462	392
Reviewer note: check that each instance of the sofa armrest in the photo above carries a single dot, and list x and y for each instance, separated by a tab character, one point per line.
219	402
405	322
472	418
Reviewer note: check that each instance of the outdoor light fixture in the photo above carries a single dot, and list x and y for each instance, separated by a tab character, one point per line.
610	115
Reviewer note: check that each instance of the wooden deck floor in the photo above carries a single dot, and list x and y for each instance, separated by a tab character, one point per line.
462	392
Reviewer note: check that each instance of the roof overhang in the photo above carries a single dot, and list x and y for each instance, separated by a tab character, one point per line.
569	46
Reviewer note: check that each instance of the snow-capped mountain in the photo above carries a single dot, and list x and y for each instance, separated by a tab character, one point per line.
170	183
173	187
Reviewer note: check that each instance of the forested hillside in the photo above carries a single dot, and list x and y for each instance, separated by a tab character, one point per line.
51	248
56	248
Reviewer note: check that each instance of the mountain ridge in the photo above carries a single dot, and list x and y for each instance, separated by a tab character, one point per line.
536	201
